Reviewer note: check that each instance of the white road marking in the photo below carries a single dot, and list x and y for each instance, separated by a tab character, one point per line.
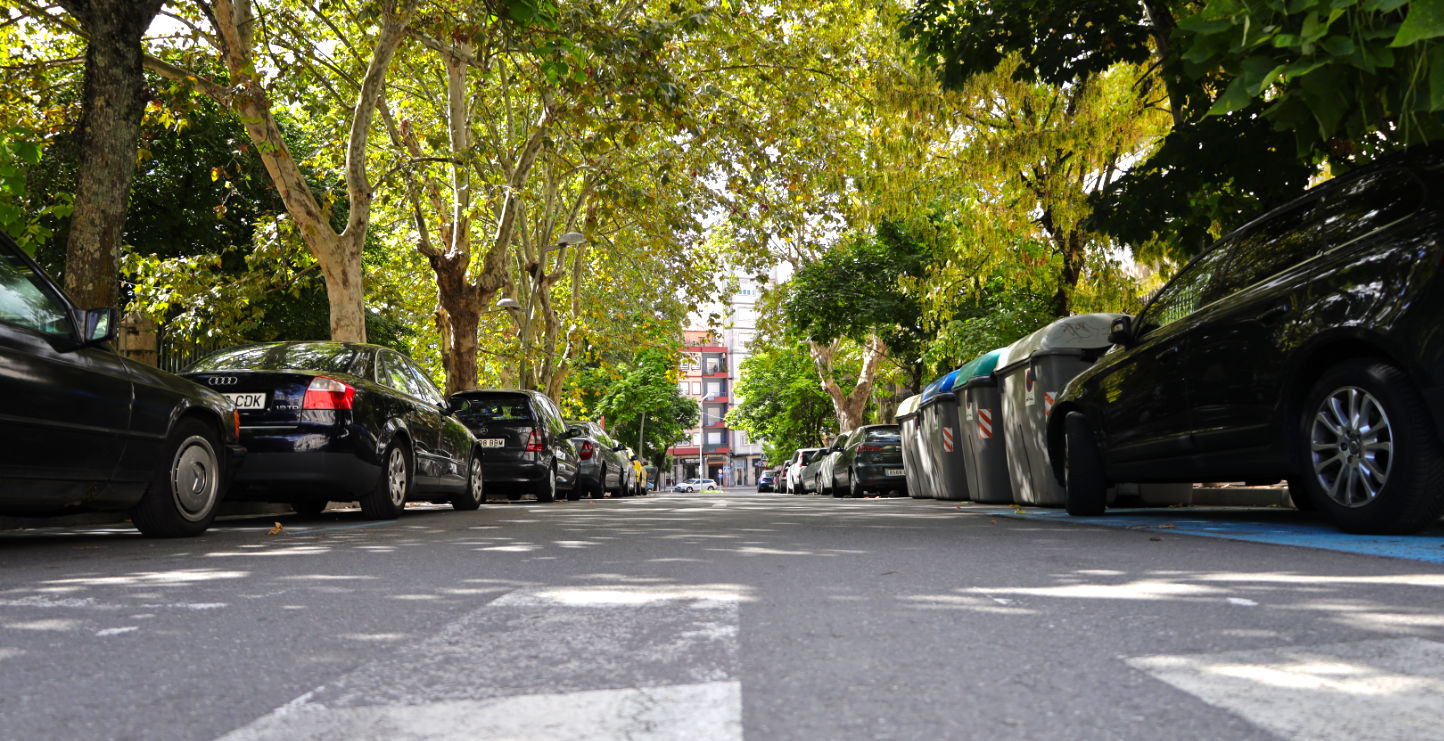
115	631
1380	689
711	710
1241	602
560	662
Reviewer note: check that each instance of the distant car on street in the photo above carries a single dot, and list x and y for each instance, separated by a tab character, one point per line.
525	445
793	470
817	475
696	485
767	481
85	429
602	466
343	421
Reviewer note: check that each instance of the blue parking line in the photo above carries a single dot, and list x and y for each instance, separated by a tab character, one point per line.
1273	526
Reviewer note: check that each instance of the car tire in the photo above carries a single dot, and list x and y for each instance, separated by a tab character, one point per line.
1372	459
309	507
183	495
853	490
388	497
1085	489
574	494
546	489
475	493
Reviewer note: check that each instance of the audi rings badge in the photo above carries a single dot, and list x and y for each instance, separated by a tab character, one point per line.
221	381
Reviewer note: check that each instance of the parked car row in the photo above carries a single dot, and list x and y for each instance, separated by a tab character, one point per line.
867	459
300	423
1303	347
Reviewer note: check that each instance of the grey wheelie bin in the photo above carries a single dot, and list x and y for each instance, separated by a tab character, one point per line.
909	430
981	424
1037	368
941	439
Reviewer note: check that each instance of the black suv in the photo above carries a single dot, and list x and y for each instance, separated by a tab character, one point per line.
524	443
1305	346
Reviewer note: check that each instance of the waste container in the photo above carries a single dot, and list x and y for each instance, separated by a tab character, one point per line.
910	432
981	424
941	441
1038	366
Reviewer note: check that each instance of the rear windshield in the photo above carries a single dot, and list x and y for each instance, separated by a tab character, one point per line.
324	357
884	435
504	408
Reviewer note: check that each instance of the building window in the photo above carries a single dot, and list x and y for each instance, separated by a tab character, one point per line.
714	389
682	387
715	437
696	388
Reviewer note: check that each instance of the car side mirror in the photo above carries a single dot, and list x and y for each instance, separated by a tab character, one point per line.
98	325
1120	332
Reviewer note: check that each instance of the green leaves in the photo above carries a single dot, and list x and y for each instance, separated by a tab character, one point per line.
1425	21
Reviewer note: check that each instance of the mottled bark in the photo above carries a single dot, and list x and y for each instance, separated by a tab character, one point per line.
850	406
338	254
112	105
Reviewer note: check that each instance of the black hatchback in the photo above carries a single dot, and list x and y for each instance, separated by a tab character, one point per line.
342	421
523	442
1305	346
870	461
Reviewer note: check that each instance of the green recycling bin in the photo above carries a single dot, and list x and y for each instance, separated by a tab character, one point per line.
980	423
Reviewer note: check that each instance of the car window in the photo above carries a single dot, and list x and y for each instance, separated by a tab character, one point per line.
27	301
390	373
321	357
553	414
1332	218
1185	294
420	384
501	408
883	435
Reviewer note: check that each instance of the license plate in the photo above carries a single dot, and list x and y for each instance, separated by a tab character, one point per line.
893	472
248	401
492	442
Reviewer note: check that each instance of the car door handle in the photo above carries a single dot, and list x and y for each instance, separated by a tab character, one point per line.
1168	354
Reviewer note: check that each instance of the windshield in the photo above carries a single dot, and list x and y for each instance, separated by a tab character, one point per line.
324	357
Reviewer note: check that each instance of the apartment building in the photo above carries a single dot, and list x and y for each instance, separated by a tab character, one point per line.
711	360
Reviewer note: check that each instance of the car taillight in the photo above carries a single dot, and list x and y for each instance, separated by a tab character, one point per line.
328	393
587	450
534	441
869	448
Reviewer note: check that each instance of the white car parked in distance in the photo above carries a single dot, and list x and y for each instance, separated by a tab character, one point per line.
693	485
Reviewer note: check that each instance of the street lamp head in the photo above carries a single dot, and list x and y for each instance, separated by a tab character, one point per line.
571	238
507	303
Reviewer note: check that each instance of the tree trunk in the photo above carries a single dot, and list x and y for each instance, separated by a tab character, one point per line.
339	254
850	407
112	105
1072	247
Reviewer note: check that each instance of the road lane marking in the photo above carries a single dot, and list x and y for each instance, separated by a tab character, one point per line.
1379	689
555	662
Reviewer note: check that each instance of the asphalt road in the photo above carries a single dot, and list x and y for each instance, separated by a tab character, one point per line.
714	616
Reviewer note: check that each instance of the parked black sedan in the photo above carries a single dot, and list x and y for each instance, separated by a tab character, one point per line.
870	461
523	442
340	421
85	429
1305	346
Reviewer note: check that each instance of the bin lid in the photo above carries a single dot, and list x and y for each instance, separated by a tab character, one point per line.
979	370
909	407
939	388
1068	335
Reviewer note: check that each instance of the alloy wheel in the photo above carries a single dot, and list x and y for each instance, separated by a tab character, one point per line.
396	477
1352	446
193	481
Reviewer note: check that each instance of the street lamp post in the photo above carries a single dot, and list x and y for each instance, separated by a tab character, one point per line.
566	240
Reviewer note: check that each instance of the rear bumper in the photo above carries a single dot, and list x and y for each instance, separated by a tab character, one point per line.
303	462
514	474
874	476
